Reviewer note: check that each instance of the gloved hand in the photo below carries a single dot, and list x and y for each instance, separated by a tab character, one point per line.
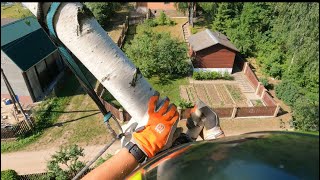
158	133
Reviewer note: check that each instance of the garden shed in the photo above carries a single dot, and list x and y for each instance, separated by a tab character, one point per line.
212	51
29	59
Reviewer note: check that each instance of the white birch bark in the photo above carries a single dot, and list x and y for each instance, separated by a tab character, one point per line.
102	57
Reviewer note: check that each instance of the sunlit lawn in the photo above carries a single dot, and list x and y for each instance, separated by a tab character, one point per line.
14	11
175	31
170	88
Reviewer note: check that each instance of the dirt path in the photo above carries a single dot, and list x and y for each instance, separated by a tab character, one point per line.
28	162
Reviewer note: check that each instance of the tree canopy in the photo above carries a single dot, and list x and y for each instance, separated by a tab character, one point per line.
284	38
158	54
102	11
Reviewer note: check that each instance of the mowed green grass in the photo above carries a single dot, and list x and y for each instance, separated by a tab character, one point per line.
169	88
15	11
175	31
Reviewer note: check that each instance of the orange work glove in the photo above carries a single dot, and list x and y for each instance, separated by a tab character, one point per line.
157	134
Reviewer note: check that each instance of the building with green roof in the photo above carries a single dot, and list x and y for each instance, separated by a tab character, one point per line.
29	59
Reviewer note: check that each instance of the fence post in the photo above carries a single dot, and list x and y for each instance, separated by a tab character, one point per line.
234	112
257	90
276	111
179	111
263	93
121	116
245	67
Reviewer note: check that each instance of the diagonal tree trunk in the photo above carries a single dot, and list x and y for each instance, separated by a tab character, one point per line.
101	56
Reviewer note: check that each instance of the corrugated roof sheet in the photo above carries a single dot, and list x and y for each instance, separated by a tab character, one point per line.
207	38
27	50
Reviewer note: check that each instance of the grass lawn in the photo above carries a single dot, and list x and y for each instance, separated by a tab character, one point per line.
169	88
57	104
74	118
14	11
175	31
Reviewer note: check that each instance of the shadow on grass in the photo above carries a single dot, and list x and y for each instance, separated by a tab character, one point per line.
167	80
73	120
282	112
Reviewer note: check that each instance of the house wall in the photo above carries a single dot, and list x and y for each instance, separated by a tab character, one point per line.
46	73
43	74
34	83
14	76
216	56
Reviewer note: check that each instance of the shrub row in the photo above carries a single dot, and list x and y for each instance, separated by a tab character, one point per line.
201	75
162	20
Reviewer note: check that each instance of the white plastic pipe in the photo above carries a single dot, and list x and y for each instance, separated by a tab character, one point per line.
101	56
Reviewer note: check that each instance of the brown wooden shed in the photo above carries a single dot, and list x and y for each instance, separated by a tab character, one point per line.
212	51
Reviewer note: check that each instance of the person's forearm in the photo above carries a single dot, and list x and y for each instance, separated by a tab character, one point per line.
117	167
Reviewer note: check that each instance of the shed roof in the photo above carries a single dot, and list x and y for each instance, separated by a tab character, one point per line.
5	21
25	42
207	38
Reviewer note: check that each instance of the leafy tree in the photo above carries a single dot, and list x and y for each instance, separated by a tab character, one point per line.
306	115
158	54
9	175
284	37
103	10
65	163
187	6
210	9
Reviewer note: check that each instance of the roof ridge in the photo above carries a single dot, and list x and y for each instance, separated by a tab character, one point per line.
18	20
212	36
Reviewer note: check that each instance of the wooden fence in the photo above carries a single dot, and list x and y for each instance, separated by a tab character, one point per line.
15	131
123	32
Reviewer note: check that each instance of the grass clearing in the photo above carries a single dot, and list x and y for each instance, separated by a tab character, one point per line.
15	10
169	88
175	31
46	114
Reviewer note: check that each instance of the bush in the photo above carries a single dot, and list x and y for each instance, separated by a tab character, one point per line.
194	30
288	92
306	115
9	175
150	22
227	76
202	75
265	82
68	156
185	104
162	20
102	160
158	54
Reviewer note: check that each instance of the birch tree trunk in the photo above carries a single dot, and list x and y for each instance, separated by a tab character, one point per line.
101	56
